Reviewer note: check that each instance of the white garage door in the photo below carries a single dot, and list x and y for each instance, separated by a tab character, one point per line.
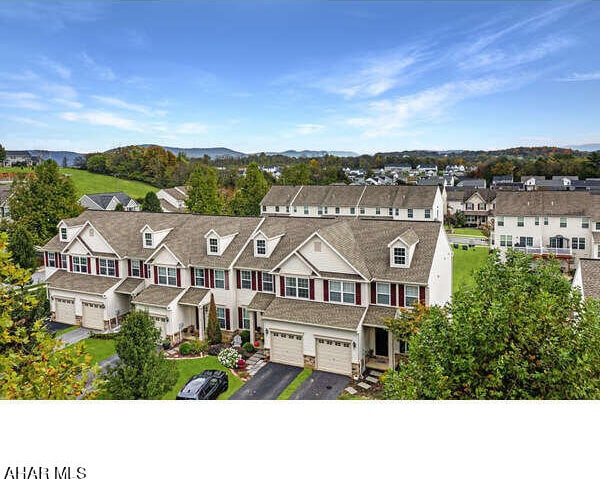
287	348
334	356
65	310
93	315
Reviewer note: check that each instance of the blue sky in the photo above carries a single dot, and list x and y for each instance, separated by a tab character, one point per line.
269	76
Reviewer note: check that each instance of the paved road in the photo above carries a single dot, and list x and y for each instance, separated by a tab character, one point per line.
321	385
268	382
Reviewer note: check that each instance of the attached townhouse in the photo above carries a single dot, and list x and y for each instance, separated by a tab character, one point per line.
477	204
565	224
315	290
415	203
108	201
172	200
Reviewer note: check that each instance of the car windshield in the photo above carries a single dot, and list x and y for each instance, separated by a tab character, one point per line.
194	385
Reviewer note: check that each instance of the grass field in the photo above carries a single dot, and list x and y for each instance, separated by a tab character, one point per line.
295	384
63	331
467	232
99	349
188	367
465	263
86	182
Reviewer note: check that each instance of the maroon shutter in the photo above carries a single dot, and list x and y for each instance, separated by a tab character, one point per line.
282	286
98	266
156	275
178	277
357	289
311	288
238	279
226	279
89	265
146	270
212	278
253	280
259	281
325	290
240	319
192	276
373	293
393	290
207	278
70	263
422	294
401	300
227	319
117	268
128	267
46	258
58	260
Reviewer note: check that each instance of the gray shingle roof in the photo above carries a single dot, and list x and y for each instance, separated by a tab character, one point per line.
86	283
279	195
129	285
590	277
104	199
4	192
376	314
193	296
319	314
547	203
260	302
157	295
176	192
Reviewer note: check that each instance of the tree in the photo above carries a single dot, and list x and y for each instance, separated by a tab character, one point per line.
296	175
97	164
151	203
521	332
39	201
251	190
2	155
119	207
203	192
213	328
31	366
142	371
21	247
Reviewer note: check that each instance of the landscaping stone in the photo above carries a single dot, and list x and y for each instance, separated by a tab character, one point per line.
376	373
364	385
371	379
350	390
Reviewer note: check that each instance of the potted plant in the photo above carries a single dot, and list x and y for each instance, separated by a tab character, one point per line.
256	344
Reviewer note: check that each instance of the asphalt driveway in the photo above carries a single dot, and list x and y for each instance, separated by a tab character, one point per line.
321	385
268	382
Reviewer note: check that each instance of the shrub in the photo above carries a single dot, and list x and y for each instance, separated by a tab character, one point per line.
245	335
248	347
185	349
229	357
199	347
214	349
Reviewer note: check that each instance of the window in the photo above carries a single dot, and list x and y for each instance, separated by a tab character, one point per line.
167	276
403	347
219	278
563	222
213	245
598	226
341	292
520	221
411	295
199	277
52	260
362	211
295	209
325	209
106	267
221	316
80	264
537	220
246	279
383	293
410	213
400	256
545	221
63	262
578	243
306	210
267	282
287	209
261	247
296	287
469	206
63	234
320	210
390	211
353	210
505	240
148	240
136	268
526	241
264	208
337	210
500	220
427	213
397	211
377	211
481	206
277	209
585	223
245	318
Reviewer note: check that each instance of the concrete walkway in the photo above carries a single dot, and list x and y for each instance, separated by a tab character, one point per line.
255	362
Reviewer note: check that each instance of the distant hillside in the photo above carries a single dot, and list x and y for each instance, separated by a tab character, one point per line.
586	147
214	153
58	156
314	153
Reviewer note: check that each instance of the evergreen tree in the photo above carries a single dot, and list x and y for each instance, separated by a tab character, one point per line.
119	207
142	371
203	192
251	190
151	203
2	155
21	247
213	329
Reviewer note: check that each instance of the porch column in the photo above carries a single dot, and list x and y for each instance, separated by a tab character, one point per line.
391	352
200	313
252	325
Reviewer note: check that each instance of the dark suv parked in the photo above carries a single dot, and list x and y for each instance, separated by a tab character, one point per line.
207	385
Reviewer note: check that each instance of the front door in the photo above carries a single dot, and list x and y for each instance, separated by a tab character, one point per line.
381	342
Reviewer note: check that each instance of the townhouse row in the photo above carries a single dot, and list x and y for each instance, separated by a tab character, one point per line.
316	290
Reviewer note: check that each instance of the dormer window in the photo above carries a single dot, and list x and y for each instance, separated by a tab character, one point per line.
63	234
213	246
400	256
148	240
261	247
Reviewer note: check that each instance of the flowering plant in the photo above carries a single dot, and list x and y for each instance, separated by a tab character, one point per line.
229	357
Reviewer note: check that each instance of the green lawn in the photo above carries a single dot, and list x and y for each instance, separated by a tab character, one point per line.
467	232
295	384
86	182
465	263
98	348
188	367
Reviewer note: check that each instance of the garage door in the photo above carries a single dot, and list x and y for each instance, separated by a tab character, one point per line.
287	348
65	310
93	315
334	356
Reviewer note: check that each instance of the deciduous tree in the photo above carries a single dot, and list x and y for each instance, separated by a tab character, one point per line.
251	190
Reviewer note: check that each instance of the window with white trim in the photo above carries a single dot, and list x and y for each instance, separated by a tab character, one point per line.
246	279
337	210
585	223
578	243
428	213
377	211
341	292
352	210
136	268
148	240
400	256
261	247
500	220
520	221
362	211
221	316
563	222
213	246
80	264
411	295
267	282
264	208
167	276
64	261
245	318
106	267
52	260
410	213
537	220
199	277
390	211
296	287
63	234
277	209
220	278
319	210
287	209
545	221
306	210
383	293
505	240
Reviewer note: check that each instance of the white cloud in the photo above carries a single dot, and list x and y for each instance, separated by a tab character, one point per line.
26	100
103	72
67	103
27	121
124	105
308	128
102	118
61	91
59	69
575	77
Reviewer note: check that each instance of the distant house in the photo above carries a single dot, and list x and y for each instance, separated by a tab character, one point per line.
25	158
476	203
399	167
172	200
429	169
108	201
472	183
4	194
501	180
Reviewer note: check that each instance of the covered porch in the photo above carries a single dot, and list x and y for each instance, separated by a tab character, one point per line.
379	345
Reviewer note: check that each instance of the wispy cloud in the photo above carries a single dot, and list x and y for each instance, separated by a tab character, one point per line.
102	118
124	105
67	103
308	128
101	71
56	67
27	121
576	77
59	90
52	15
26	100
